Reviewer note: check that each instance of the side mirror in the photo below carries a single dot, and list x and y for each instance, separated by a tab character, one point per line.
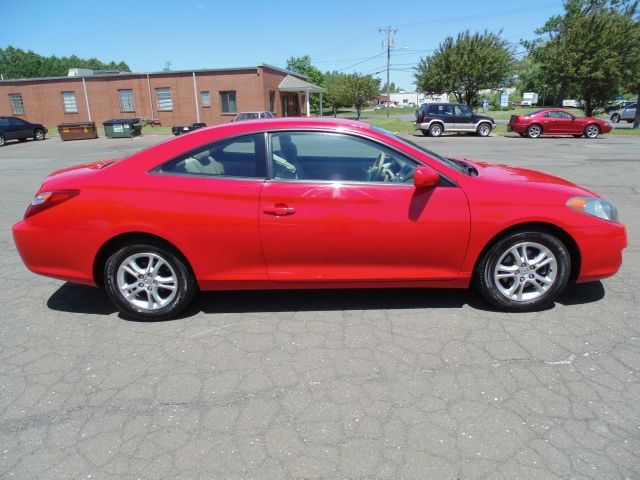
425	177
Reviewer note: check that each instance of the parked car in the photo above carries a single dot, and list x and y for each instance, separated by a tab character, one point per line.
12	128
251	116
553	121
180	129
313	203
627	113
435	118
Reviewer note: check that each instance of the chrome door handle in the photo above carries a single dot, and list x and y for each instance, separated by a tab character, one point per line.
280	210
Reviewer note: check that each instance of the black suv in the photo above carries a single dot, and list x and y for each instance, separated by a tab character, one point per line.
435	118
16	128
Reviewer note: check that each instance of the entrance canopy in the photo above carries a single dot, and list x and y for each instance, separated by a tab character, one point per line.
298	85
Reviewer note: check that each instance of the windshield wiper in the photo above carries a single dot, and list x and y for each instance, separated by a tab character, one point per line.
468	169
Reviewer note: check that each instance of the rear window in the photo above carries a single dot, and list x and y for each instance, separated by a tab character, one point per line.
531	114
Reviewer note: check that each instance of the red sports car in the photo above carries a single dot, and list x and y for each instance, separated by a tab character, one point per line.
552	121
313	203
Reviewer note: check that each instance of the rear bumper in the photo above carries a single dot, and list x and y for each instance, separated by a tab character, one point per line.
63	253
600	250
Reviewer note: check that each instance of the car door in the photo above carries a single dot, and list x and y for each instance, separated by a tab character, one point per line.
209	200
463	118
629	113
339	207
21	128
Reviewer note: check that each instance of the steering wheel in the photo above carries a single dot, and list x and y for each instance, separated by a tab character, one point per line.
376	167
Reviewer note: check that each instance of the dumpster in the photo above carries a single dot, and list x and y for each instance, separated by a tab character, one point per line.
77	131
122	127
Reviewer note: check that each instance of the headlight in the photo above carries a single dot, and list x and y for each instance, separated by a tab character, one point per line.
596	207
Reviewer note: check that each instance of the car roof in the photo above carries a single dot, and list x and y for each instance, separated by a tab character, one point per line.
294	122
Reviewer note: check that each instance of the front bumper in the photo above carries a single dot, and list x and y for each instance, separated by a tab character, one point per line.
600	250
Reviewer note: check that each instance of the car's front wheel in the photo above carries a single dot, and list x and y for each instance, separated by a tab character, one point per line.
592	131
38	134
615	118
2	140
524	271
484	130
149	282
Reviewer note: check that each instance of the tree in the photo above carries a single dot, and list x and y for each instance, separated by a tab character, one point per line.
466	65
631	68
392	88
303	66
360	90
17	63
336	96
583	52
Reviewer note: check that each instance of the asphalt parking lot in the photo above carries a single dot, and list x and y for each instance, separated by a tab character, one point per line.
329	384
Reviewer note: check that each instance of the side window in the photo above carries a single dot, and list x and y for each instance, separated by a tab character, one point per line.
547	115
336	157
236	157
18	122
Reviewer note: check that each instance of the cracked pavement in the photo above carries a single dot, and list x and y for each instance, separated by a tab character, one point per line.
366	384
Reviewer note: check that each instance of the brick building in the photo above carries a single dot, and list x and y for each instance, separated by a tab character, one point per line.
172	98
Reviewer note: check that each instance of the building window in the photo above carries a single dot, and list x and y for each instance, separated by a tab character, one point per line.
69	102
206	99
272	100
17	106
164	99
126	101
228	101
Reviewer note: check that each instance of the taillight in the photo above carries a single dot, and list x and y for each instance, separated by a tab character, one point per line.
46	200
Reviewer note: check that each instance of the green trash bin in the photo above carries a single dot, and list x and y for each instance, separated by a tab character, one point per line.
122	127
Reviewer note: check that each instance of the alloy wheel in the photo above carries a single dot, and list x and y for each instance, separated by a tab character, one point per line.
525	272
147	281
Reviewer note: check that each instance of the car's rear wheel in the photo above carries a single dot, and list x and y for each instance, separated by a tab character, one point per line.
534	131
524	271
484	130
592	131
435	130
2	140
149	282
38	134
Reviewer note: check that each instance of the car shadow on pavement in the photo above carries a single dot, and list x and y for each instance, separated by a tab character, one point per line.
74	298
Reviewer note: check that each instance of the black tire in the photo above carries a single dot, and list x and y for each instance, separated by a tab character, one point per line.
185	284
534	131
615	118
629	121
435	130
558	273
2	140
484	130
22	139
592	131
38	134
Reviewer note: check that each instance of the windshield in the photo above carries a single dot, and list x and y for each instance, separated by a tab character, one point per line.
446	161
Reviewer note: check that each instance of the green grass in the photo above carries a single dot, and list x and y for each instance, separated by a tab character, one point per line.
391	124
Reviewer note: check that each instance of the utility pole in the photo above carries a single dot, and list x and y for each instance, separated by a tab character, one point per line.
389	43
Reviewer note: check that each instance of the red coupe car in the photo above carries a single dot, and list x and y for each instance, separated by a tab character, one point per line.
313	203
552	121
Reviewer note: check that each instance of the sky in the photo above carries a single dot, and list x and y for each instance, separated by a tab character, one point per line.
195	34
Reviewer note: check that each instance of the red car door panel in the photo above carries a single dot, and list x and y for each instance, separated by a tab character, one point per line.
323	231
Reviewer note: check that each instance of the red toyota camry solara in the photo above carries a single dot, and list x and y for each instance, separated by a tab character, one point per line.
304	203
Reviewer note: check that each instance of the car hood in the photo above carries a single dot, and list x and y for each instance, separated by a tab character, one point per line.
508	174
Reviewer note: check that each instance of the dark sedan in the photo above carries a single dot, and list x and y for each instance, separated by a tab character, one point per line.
12	128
